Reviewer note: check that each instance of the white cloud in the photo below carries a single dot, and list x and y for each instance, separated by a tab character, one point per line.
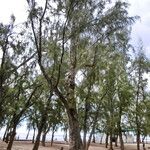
141	30
16	7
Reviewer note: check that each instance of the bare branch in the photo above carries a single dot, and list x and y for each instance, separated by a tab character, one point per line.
63	41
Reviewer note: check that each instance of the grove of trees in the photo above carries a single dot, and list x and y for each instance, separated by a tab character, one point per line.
70	65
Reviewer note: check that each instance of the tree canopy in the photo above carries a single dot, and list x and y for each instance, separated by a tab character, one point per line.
70	65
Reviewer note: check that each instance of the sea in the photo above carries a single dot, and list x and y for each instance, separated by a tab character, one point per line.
59	135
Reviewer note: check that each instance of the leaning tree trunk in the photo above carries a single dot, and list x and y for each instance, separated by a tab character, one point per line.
111	142
93	138
65	136
12	137
44	136
40	128
93	127
52	138
116	141
6	132
106	140
143	142
90	137
37	142
33	138
28	134
101	139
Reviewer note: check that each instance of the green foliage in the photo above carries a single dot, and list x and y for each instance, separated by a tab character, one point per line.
80	60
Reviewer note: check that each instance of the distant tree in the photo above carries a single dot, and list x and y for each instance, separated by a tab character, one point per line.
140	67
15	55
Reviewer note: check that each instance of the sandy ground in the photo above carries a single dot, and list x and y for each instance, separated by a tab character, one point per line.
20	145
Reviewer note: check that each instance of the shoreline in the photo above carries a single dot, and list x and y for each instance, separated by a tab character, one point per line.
27	145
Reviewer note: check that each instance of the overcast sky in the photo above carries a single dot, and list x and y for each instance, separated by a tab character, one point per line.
141	30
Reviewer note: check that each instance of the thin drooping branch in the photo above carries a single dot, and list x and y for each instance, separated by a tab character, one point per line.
39	48
40	32
38	41
38	44
63	41
23	63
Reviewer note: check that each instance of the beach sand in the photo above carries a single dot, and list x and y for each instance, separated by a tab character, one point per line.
27	145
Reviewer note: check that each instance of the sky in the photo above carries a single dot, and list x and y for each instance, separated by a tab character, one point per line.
141	29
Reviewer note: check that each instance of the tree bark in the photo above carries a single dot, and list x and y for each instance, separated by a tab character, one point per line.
28	134
33	138
40	129
106	140
44	136
93	138
116	141
52	138
37	142
137	118
120	138
75	142
85	124
6	132
66	136
119	124
143	143
138	139
111	142
101	139
12	137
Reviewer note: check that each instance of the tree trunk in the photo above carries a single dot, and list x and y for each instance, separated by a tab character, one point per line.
75	142
37	142
116	141
40	129
65	136
121	139
138	140
101	139
5	134
90	137
85	126
33	138
44	136
106	140
86	112
52	138
143	143
137	108
93	138
111	142
12	137
28	134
